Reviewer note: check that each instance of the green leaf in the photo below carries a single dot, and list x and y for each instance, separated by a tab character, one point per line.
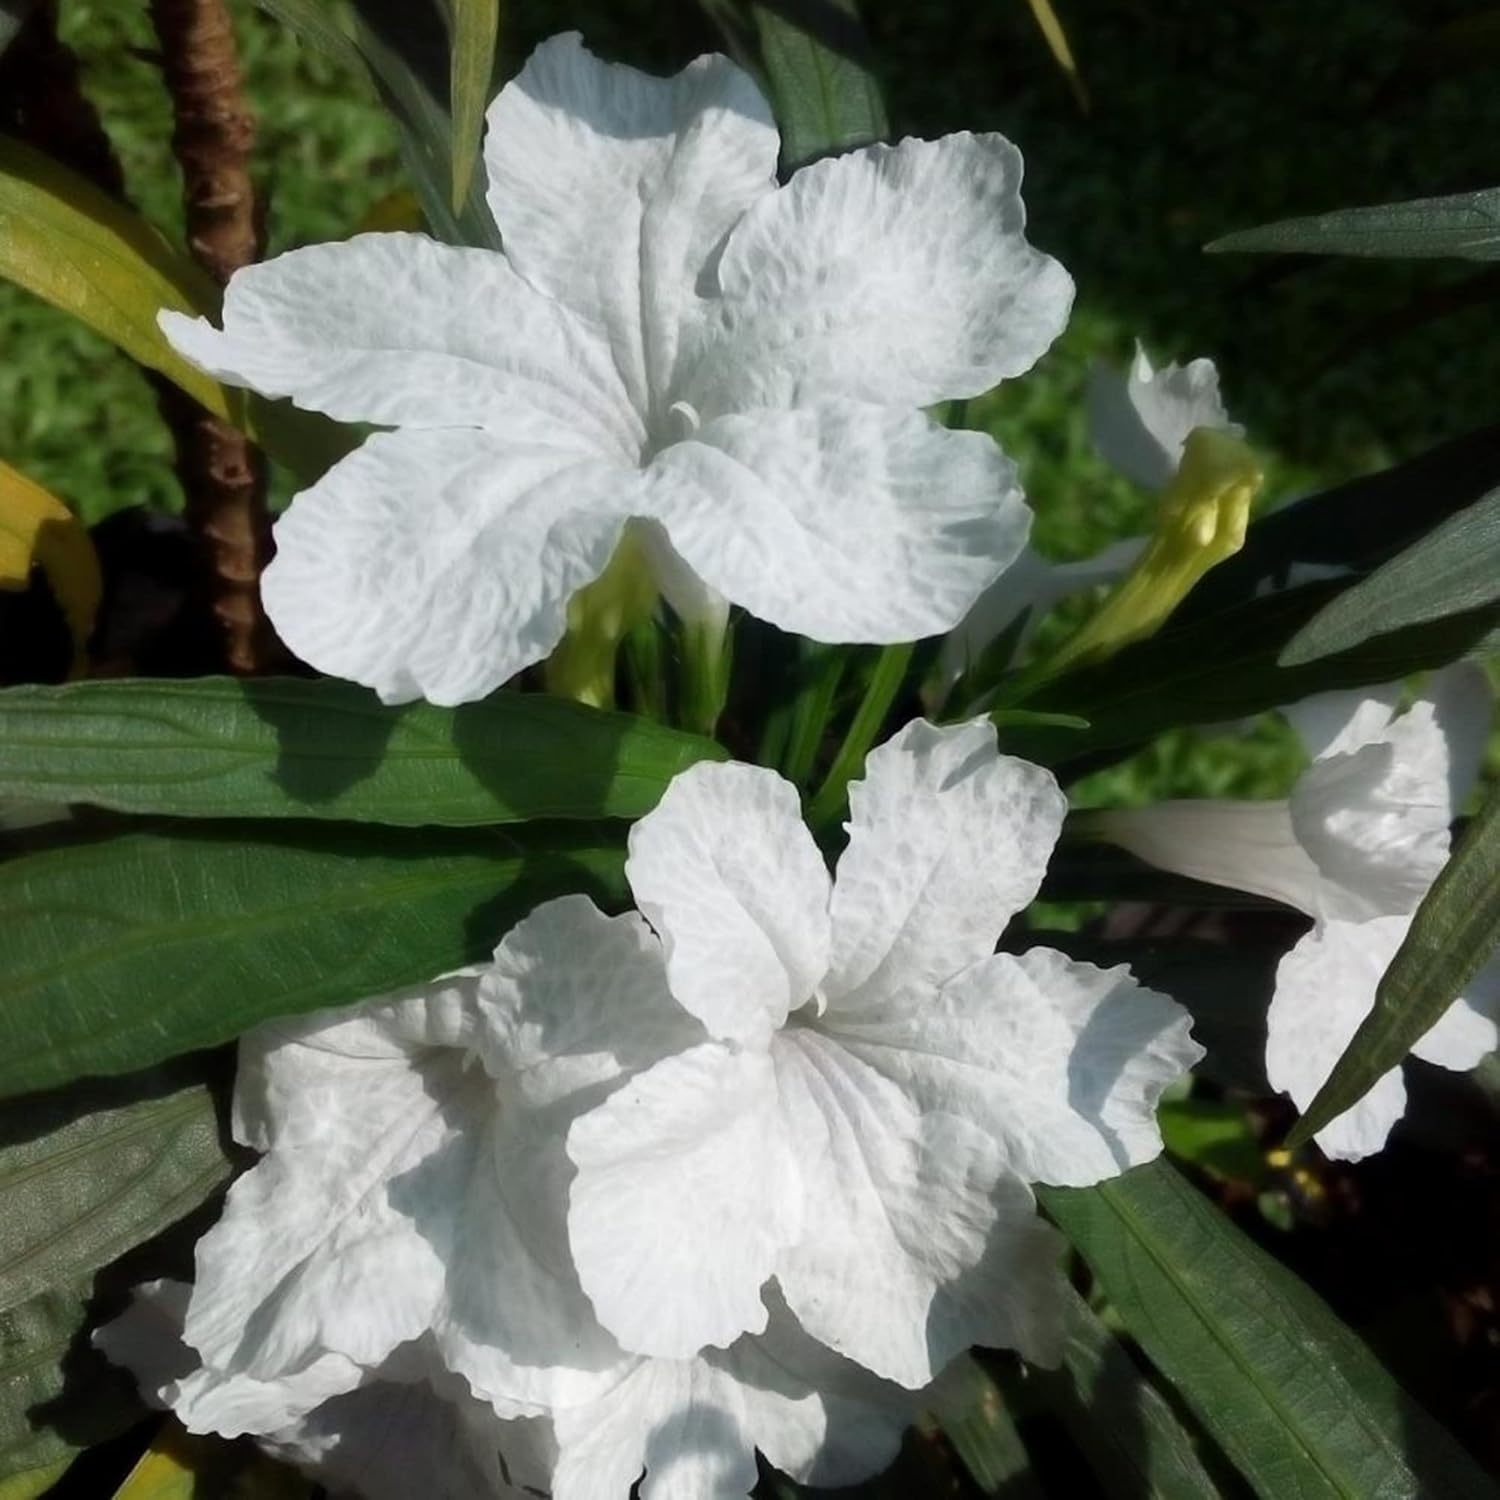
1455	567
1056	39
123	953
87	1176
1294	1399
817	62
1455	930
34	1483
476	26
57	1395
64	240
323	24
219	747
1466	225
1137	1446
1222	665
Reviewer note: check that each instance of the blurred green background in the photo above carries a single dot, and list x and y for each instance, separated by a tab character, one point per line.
1203	119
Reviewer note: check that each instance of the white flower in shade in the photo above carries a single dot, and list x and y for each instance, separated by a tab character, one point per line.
1356	846
413	1195
876	1085
668	339
1139	420
408	1428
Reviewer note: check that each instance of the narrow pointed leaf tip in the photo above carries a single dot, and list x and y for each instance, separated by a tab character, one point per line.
1455	932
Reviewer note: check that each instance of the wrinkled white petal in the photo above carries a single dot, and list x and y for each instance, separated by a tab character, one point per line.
1324	988
727	873
841	521
1244	846
1061	1062
687	1188
612	189
400	330
1031	585
1139	420
1374	808
693	1425
948	840
898	275
438	564
917	1243
1341	722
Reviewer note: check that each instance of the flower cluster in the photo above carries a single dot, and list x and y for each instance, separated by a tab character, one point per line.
747	1167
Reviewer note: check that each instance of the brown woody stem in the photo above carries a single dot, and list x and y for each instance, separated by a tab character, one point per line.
222	474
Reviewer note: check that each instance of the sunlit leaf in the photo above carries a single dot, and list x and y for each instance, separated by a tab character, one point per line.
1294	1399
1455	567
34	1483
217	747
38	531
1466	225
181	1466
1057	44
1455	932
67	242
476	26
122	953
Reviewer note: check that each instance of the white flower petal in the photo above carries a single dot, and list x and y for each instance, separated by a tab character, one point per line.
694	1425
917	1243
1324	988
1466	1033
1139	420
841	521
403	331
948	840
1062	1062
1374	808
898	275
687	1188
726	871
438	564
1341	722
1244	846
612	189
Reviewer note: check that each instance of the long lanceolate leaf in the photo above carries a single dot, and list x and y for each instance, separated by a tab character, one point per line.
1455	567
123	953
1455	932
218	747
476	25
1465	225
1295	1400
68	243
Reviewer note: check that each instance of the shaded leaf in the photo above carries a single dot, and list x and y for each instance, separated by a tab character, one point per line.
67	242
1455	932
1455	567
817	60
38	531
13	15
971	1409
1214	1136
34	1482
120	954
1057	44
1136	1445
476	26
85	1177
219	747
182	1466
1294	1399
1466	225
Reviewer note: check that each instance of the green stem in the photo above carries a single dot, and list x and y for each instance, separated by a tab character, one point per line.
885	683
811	710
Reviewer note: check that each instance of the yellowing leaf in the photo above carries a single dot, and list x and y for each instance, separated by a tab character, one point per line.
75	247
398	210
34	1482
1057	43
38	530
476	24
180	1466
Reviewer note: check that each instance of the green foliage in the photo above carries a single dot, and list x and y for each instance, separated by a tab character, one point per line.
290	748
122	953
476	28
1456	929
1295	1400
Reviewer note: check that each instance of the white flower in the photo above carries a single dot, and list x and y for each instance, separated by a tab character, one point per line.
405	1429
1361	839
668	337
879	1085
1139	420
413	1193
